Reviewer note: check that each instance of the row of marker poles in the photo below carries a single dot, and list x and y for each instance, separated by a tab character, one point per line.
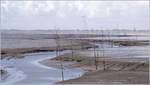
101	36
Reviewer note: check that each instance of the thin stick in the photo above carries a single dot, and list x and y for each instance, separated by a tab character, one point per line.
95	57
103	51
58	54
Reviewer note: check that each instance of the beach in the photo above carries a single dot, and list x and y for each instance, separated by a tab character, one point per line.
108	60
124	71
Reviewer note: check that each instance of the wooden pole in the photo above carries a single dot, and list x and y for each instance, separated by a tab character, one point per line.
104	67
72	52
95	58
58	54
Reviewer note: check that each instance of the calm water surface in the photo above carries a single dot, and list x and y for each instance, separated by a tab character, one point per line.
27	70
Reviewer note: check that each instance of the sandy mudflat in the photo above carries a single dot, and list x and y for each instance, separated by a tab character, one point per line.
122	66
14	43
112	77
118	71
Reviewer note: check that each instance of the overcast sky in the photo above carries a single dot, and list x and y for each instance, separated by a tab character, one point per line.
74	14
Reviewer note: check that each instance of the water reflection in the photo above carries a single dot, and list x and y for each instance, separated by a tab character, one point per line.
23	70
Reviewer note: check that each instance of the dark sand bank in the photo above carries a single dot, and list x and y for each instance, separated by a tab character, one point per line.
16	51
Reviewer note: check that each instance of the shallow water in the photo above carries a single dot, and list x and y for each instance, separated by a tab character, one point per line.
112	51
27	70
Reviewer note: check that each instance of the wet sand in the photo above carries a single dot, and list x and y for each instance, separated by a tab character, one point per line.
15	43
117	70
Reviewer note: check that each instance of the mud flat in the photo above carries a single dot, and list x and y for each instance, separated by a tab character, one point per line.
123	67
15	43
123	64
117	70
14	46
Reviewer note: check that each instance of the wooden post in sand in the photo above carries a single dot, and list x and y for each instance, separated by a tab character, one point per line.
72	50
58	54
109	38
95	56
104	67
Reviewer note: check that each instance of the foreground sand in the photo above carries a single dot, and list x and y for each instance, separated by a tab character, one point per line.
117	71
112	77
